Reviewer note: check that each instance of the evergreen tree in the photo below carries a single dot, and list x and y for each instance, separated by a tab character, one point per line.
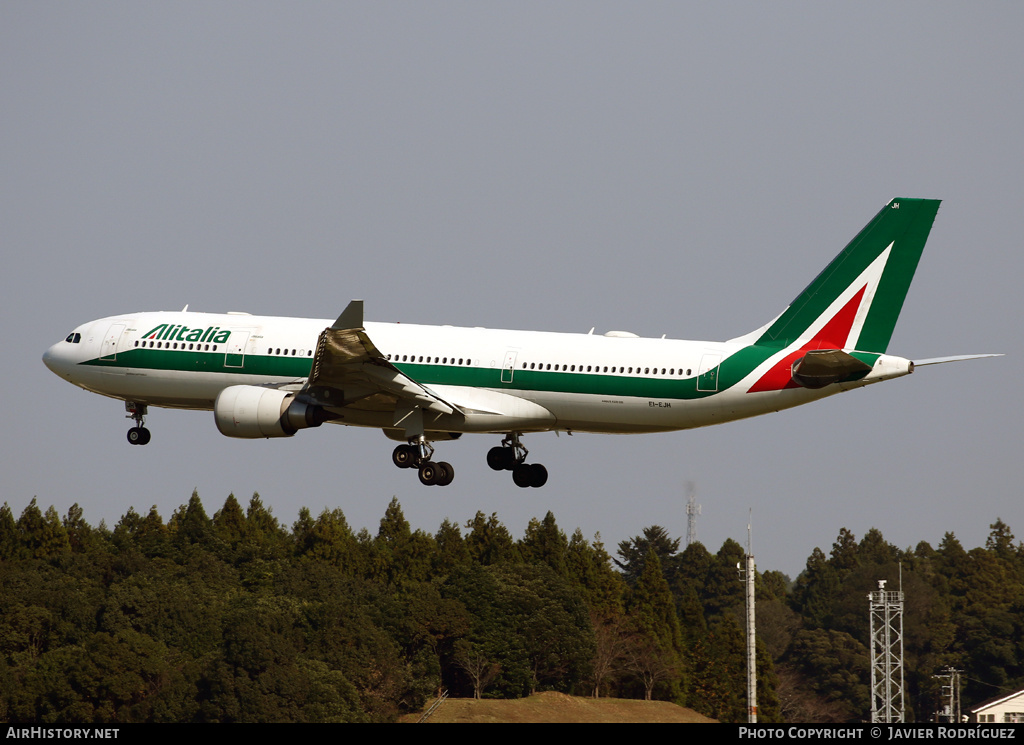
10	543
450	549
544	543
302	532
80	535
844	551
55	541
32	532
719	686
488	541
1000	541
657	657
816	590
189	525
151	535
589	569
265	538
655	540
402	555
229	524
330	539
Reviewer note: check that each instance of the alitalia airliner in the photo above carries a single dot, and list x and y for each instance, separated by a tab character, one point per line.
270	377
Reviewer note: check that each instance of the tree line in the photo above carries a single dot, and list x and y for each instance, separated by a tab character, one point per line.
236	617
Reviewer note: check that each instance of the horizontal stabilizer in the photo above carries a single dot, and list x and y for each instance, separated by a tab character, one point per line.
957	358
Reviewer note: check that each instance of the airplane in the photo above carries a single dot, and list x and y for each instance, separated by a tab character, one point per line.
270	377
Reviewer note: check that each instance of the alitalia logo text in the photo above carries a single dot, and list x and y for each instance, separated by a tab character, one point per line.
174	332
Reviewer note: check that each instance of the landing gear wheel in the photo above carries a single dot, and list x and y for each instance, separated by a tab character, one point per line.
496	458
404	456
501	458
138	435
430	474
447	475
530	474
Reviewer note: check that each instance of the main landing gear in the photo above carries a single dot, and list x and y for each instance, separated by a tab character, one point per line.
419	456
137	435
511	456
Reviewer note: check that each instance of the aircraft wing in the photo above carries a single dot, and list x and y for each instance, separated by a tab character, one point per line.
349	371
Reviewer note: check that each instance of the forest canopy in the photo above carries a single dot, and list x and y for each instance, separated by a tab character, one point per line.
238	618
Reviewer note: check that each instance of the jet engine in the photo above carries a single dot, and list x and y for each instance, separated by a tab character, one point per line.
251	411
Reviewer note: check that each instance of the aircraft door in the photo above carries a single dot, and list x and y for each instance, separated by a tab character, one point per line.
509	367
707	373
108	346
235	355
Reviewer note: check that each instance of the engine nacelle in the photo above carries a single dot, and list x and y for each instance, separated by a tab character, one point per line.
251	411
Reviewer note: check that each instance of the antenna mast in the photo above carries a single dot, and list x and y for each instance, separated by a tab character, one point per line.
747	576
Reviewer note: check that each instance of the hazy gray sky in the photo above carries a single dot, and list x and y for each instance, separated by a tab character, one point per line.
662	168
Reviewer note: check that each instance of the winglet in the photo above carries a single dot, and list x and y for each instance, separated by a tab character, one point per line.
351	317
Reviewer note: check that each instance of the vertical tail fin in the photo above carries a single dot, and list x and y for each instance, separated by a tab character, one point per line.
855	301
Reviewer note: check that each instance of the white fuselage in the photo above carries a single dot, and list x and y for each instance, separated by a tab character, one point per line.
510	380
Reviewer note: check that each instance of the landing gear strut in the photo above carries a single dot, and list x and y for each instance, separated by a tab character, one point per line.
137	435
511	456
417	454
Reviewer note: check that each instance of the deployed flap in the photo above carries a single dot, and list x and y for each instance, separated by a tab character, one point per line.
478	402
821	367
346	359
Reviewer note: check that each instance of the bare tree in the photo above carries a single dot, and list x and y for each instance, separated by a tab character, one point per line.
610	642
479	669
650	665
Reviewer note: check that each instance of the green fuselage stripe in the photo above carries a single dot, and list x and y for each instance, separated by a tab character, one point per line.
732	369
209	362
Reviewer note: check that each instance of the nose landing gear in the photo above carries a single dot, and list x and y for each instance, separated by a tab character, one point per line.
137	435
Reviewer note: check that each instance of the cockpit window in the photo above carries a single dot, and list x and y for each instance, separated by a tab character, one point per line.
74	338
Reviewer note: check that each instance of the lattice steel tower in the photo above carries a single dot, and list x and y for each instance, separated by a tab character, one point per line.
951	693
692	511
886	654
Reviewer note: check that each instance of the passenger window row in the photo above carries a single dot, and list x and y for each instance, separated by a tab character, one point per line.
463	361
614	370
174	345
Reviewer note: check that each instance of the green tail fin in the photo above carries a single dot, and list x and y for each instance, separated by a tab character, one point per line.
881	262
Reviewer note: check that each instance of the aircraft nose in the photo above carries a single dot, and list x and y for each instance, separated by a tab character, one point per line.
56	359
